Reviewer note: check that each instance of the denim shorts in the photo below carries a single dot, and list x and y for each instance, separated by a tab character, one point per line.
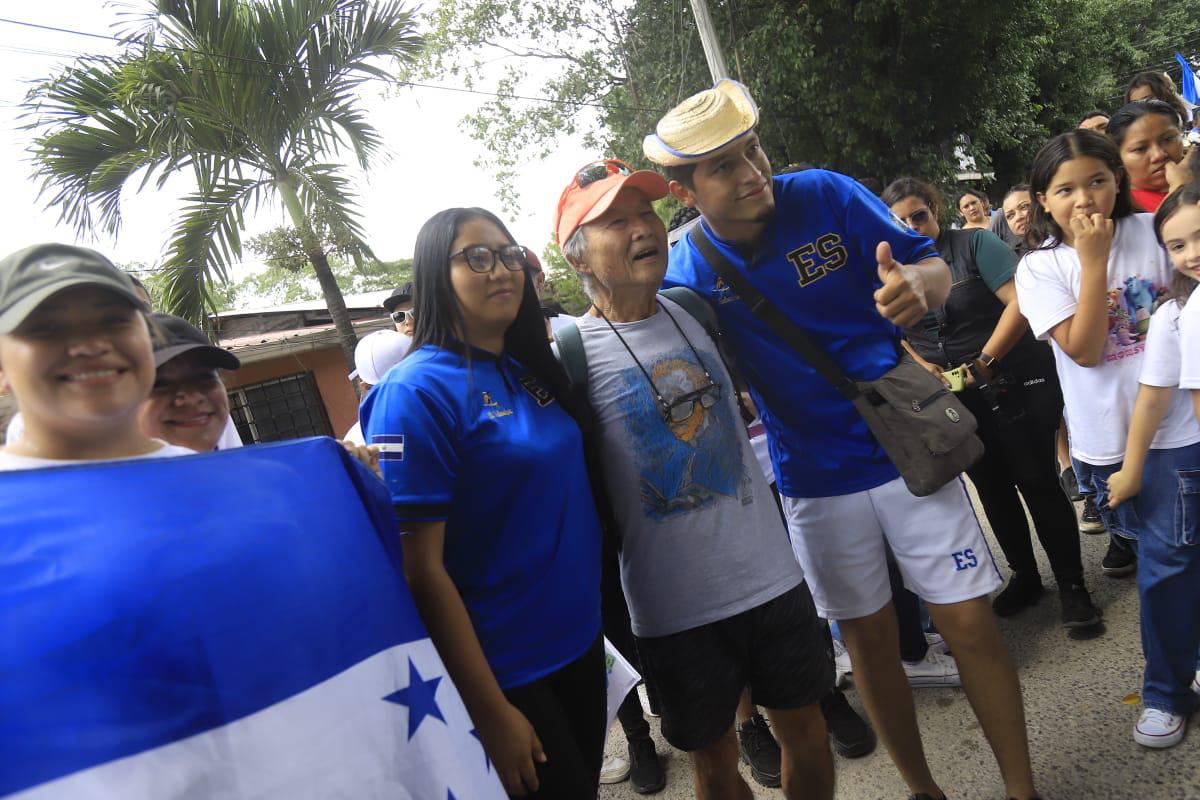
1093	481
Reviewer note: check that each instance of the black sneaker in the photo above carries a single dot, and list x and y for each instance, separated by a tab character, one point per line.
760	751
851	735
1023	591
1070	484
1091	521
1077	608
1119	560
925	796
645	770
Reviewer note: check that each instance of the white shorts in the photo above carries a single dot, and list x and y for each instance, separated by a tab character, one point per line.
937	542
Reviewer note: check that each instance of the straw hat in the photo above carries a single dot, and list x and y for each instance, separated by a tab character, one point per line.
701	125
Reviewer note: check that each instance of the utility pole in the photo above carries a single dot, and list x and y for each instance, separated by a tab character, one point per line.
708	38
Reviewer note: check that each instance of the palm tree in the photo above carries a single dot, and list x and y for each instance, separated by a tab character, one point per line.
253	98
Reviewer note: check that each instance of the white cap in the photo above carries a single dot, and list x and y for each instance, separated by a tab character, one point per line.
376	353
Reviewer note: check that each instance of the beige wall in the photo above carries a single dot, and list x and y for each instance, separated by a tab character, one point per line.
329	370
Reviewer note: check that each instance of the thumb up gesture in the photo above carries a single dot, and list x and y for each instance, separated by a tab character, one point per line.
901	299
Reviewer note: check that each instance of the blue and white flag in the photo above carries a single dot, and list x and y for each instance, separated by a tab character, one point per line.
228	625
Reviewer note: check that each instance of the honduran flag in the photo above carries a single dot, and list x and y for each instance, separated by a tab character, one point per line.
229	625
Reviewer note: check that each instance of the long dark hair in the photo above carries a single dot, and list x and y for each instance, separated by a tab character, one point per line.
1188	195
1063	148
1120	122
439	321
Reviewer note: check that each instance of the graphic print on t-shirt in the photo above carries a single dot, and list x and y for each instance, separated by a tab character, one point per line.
681	465
1130	307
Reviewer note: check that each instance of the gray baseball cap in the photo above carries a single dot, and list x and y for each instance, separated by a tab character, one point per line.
181	336
30	276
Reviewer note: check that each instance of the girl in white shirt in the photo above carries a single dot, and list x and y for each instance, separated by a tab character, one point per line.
75	351
1090	289
1163	484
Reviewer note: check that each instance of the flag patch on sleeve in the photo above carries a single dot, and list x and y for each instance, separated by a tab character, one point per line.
391	446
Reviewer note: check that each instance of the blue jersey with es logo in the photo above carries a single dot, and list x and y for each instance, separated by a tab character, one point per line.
816	261
486	448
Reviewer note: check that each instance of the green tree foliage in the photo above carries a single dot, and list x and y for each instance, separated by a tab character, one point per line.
253	101
562	284
873	88
279	284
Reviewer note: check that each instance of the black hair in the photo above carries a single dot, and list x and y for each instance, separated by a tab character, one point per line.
1120	122
973	193
802	166
1090	114
683	173
1186	195
1020	187
1161	87
440	320
901	188
1053	154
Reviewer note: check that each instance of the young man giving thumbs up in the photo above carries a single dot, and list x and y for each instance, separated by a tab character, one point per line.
841	267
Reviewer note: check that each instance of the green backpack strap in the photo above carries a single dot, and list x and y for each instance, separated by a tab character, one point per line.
694	304
572	356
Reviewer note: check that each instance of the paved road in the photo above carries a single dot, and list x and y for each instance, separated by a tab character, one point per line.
1079	726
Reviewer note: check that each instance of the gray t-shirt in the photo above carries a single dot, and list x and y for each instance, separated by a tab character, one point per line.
702	536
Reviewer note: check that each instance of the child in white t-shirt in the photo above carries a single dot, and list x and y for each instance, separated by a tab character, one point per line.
1090	289
1164	485
75	351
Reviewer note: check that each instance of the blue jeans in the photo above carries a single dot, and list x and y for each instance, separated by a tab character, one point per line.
1169	576
1093	481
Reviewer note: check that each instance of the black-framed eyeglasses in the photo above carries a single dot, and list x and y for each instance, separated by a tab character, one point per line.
482	259
399	317
682	408
599	170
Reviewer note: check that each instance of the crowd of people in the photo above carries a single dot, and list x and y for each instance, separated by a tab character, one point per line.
670	472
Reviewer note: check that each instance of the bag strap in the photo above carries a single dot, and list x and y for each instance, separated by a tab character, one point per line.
772	315
572	356
691	302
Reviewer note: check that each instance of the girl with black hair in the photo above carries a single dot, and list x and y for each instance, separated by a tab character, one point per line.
1012	389
1147	134
1090	288
482	452
1161	483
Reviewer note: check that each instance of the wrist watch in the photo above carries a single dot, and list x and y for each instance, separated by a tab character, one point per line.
987	361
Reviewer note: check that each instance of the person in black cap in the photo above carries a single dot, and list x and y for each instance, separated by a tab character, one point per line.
402	317
188	405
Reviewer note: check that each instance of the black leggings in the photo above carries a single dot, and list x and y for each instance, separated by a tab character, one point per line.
567	709
1019	453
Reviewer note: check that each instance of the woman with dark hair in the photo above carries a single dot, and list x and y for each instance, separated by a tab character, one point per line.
482	452
973	205
1011	388
1148	137
1152	85
1012	223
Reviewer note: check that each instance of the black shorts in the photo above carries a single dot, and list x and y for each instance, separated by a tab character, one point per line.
776	649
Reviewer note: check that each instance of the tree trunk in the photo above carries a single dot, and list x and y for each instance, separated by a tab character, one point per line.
320	263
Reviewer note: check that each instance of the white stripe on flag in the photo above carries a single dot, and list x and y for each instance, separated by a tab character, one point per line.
340	738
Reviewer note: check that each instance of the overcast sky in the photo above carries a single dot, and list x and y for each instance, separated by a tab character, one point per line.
430	165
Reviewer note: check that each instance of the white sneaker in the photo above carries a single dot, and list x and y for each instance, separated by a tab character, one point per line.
936	642
1159	729
841	663
936	669
614	770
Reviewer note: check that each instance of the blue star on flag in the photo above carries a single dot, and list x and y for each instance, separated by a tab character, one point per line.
420	696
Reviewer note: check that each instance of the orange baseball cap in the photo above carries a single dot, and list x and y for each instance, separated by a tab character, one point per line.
594	188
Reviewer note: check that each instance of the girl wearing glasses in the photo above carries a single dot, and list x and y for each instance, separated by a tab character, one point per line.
482	452
1008	381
